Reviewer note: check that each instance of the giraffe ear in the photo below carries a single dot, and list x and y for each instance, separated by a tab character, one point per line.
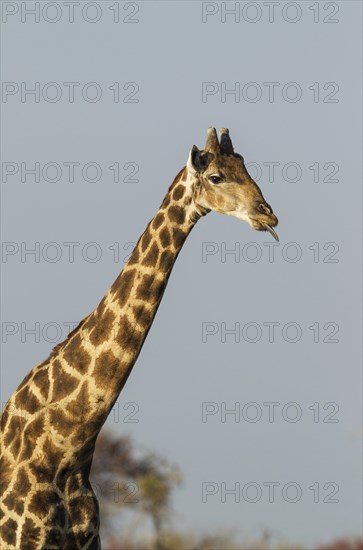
198	162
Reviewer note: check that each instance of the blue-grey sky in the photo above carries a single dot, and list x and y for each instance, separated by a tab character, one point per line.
286	80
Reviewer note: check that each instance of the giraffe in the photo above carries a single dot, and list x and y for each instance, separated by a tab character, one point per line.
51	422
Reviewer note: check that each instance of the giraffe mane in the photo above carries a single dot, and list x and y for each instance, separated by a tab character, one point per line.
56	348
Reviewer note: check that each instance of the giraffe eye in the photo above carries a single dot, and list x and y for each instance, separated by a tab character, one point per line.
215	179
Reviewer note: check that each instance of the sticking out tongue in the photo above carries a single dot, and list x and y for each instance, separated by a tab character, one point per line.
271	230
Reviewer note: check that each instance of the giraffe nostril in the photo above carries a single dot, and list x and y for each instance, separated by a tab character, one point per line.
265	208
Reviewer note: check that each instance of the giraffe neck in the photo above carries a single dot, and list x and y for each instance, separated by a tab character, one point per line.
113	335
71	393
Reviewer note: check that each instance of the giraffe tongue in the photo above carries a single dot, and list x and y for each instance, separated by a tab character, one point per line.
271	230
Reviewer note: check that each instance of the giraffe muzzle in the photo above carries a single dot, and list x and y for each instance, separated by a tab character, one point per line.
269	221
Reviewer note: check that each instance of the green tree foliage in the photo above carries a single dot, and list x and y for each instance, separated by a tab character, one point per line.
132	487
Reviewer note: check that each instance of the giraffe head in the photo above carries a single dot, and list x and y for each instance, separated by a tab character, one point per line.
221	183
